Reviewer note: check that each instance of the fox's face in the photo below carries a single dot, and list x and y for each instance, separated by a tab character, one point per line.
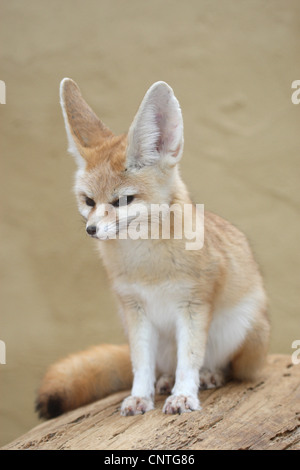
119	177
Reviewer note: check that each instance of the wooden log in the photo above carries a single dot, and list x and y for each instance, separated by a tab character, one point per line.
264	414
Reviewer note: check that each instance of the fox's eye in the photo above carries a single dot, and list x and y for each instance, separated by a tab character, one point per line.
90	202
123	201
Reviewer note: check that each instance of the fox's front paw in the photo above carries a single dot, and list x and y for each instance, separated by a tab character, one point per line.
136	405
181	404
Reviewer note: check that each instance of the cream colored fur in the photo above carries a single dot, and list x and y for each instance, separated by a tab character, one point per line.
184	311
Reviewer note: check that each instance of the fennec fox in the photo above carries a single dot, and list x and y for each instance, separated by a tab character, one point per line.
194	318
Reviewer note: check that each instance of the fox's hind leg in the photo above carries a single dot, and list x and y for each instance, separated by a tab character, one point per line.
251	356
212	378
237	343
164	384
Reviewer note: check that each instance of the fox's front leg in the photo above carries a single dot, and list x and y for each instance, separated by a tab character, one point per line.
143	345
191	332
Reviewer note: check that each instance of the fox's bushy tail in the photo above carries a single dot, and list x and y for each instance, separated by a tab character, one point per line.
84	377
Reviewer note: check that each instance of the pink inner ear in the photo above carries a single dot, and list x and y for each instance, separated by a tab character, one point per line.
160	140
158	118
165	133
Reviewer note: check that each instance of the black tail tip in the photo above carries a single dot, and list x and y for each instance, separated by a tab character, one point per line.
49	407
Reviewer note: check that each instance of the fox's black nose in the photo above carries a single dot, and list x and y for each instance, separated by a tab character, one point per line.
91	230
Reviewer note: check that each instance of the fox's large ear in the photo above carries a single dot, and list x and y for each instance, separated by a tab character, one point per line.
84	129
156	134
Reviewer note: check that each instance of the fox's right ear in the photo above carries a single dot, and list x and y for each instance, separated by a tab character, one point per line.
156	135
84	129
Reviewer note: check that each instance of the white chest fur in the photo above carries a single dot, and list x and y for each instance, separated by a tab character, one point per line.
160	302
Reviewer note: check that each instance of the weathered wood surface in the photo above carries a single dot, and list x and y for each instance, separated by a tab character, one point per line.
262	415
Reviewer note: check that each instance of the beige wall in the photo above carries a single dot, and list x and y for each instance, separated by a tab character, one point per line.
231	64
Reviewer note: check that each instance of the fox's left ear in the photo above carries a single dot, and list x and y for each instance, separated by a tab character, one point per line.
156	134
84	129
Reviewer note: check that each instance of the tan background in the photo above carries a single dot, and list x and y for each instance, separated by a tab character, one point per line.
231	64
